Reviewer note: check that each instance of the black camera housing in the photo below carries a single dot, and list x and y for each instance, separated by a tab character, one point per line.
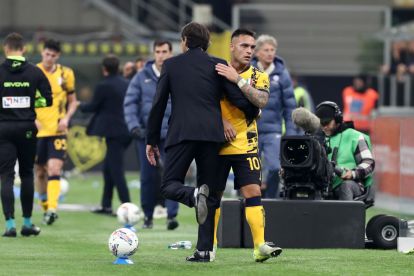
306	170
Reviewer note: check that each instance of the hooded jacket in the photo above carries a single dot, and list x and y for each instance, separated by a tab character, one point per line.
23	86
281	101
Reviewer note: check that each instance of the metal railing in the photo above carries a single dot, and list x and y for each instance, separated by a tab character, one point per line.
396	94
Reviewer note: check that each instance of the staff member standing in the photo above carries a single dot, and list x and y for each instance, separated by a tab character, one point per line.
23	87
108	121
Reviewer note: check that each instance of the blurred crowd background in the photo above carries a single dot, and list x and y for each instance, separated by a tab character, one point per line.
325	44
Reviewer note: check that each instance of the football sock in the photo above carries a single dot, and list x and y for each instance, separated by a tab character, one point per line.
27	222
53	192
216	221
10	223
255	217
43	201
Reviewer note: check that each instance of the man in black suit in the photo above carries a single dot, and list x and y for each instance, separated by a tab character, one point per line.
108	121
195	126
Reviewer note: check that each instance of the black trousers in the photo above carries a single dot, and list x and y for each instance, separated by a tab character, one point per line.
17	142
114	172
177	161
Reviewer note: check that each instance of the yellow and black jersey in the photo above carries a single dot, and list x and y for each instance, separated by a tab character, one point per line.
246	138
62	82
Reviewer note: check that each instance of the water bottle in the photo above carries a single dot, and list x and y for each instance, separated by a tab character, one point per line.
180	245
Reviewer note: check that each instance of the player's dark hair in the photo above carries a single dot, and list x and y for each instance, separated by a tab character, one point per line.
242	31
111	64
159	42
14	41
52	44
197	35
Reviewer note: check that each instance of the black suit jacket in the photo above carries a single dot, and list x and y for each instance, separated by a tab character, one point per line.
195	89
107	104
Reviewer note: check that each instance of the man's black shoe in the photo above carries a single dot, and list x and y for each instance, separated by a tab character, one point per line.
103	211
200	205
28	231
201	257
148	224
11	233
172	223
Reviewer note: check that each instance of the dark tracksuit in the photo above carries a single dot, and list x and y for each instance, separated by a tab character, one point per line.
22	87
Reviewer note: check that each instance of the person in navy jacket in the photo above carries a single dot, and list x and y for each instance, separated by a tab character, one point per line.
108	121
137	106
279	107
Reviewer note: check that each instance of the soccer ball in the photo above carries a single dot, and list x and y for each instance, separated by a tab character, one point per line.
123	243
129	214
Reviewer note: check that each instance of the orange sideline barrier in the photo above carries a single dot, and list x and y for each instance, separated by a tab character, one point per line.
393	146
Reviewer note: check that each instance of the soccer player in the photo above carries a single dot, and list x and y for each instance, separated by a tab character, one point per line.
23	87
241	151
52	123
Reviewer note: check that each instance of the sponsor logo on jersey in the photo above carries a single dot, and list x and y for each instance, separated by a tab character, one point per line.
16	102
16	84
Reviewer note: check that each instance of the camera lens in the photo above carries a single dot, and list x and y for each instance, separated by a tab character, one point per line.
296	152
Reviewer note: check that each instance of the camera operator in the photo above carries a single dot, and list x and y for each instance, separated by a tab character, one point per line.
350	152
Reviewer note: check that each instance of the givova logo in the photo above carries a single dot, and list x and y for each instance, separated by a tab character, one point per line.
16	84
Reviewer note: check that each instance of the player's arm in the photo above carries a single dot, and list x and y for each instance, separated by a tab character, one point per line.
72	106
257	97
43	96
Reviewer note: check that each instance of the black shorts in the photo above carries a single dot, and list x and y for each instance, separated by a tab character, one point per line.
50	147
246	168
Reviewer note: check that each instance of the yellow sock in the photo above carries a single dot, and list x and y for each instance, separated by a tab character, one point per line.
53	192
216	221
43	201
256	219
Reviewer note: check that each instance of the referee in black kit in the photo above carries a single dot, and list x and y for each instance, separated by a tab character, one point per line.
23	87
195	128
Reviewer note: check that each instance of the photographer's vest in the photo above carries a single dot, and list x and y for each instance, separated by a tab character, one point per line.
347	142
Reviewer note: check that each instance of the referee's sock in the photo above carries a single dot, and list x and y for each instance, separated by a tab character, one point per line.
53	192
27	222
255	217
216	221
10	223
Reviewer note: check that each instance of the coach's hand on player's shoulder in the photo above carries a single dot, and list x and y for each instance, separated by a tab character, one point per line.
153	154
227	71
229	131
138	133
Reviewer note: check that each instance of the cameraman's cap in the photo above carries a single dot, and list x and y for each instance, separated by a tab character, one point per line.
325	113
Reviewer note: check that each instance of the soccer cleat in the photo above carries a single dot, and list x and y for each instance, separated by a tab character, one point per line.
266	251
148	224
201	195
28	231
201	257
49	218
11	233
172	223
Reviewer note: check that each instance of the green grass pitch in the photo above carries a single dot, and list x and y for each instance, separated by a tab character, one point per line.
77	245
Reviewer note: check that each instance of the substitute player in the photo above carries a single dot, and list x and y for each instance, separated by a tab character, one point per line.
22	87
241	151
52	123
